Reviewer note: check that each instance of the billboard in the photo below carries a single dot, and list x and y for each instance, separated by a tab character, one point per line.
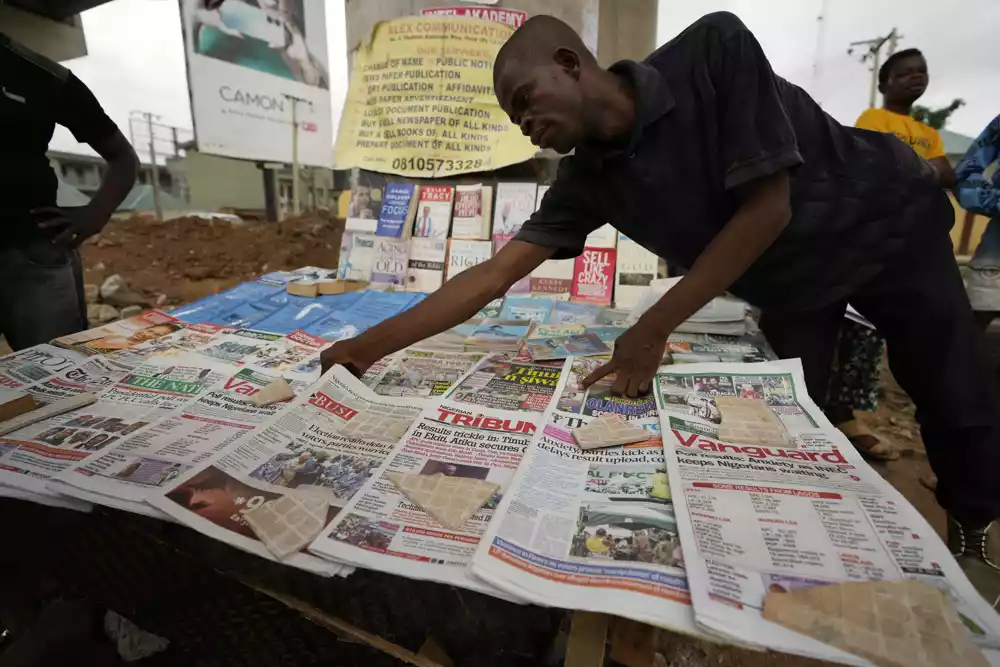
244	57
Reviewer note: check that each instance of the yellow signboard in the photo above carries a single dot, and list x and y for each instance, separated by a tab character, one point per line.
421	102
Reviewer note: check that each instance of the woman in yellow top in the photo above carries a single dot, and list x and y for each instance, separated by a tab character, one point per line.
855	378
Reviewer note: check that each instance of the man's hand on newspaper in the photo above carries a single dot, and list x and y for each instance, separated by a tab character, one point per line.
637	355
346	353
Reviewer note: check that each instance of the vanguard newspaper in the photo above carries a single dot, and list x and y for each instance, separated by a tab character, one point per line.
770	497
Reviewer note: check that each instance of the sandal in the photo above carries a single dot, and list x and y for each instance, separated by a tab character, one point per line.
866	442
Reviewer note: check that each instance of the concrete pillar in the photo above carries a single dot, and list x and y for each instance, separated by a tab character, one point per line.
55	40
626	29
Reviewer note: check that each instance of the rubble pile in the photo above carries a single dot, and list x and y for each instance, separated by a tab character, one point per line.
164	264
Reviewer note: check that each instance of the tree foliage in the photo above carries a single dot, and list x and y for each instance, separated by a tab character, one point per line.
936	118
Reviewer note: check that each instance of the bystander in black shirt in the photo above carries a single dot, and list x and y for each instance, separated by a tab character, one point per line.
711	116
37	94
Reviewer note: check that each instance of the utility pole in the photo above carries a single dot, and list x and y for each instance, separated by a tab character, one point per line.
818	55
873	52
153	168
295	150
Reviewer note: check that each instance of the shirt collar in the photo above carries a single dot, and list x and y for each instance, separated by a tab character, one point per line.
652	100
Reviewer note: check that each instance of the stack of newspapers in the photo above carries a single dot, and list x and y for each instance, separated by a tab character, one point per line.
723	315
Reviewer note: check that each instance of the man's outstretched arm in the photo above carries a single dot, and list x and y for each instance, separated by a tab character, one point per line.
458	300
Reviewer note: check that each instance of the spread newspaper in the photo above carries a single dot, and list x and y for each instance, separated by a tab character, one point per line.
123	334
592	530
330	439
183	436
295	356
416	372
188	339
380	528
500	382
91	375
131	401
35	364
770	497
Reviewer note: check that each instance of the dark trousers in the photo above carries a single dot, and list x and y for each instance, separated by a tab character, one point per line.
41	293
918	304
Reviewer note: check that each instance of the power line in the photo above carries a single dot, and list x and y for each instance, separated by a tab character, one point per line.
873	53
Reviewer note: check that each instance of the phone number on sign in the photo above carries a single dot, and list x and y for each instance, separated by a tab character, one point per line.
435	164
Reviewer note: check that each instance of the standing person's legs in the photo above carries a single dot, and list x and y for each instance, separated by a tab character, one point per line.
809	336
854	381
854	387
41	297
919	305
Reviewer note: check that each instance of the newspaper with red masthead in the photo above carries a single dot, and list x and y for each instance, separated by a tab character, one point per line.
592	530
770	497
380	528
181	438
330	439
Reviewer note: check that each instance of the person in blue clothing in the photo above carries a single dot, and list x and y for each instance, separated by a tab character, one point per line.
977	194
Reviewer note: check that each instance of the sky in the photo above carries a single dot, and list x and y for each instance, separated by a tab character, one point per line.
135	58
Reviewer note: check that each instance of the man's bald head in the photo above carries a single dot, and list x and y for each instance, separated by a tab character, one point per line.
536	42
537	78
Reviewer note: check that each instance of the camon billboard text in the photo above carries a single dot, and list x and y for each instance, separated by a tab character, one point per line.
244	57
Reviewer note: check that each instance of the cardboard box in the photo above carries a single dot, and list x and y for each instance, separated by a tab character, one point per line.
330	286
303	288
14	403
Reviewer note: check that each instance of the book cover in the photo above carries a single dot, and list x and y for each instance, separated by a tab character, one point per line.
522	286
365	203
433	218
555	330
464	254
593	276
575	313
635	269
553	279
493	331
560	347
607	333
492	309
361	258
604	236
398	210
526	308
515	202
472	216
389	266
425	268
344	258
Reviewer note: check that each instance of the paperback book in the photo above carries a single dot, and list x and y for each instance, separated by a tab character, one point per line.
472	212
399	205
433	218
